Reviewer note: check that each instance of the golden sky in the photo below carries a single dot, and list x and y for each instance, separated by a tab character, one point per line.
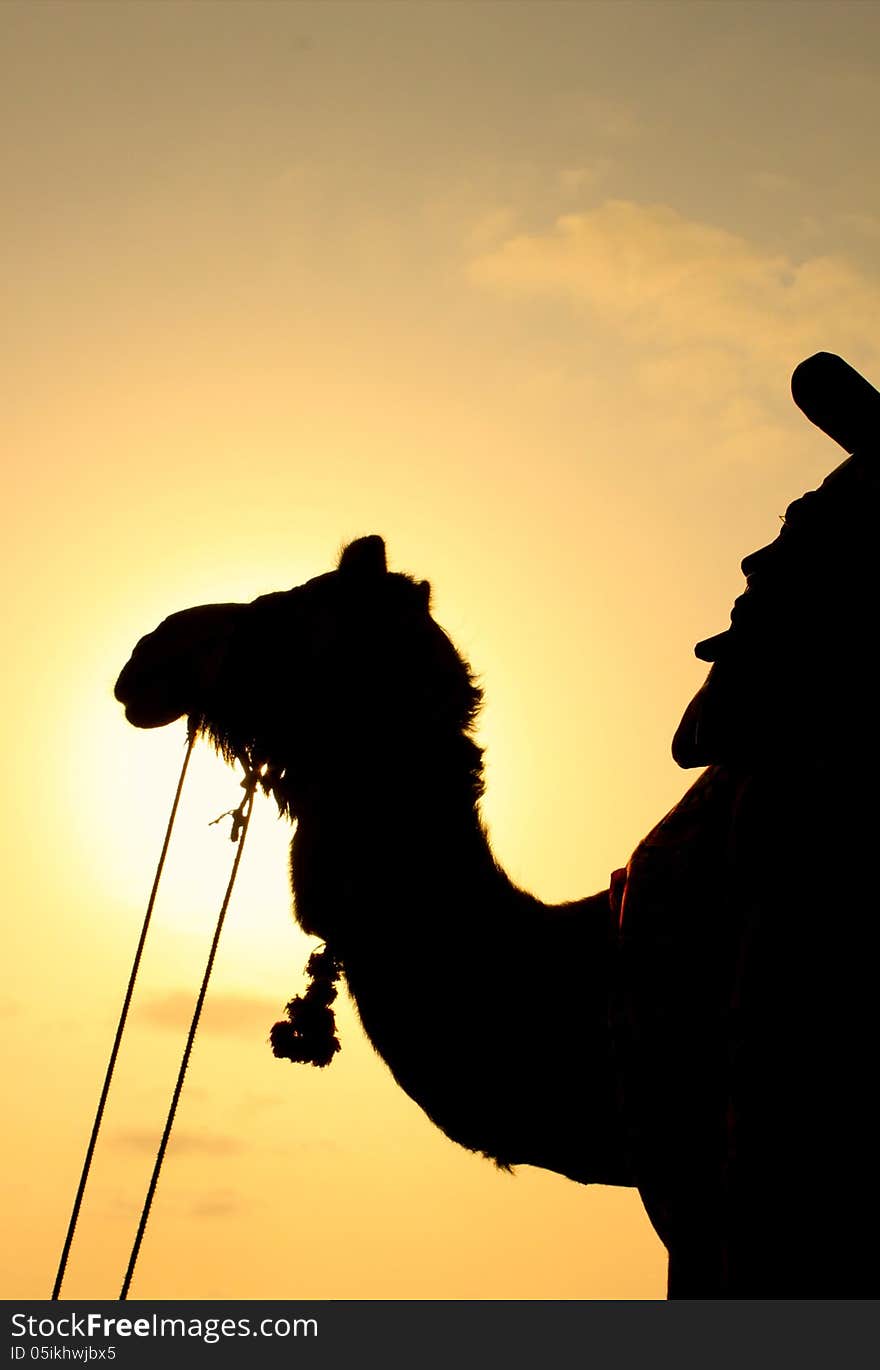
518	286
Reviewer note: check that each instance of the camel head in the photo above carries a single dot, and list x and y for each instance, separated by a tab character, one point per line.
315	679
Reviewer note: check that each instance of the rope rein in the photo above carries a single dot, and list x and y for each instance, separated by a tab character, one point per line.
240	821
241	818
120	1028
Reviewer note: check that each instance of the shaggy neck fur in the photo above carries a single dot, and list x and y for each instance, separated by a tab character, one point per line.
393	841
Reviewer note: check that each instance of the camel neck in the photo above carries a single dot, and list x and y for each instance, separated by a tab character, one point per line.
374	849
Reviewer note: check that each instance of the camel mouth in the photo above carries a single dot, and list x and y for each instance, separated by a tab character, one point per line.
144	707
140	717
153	714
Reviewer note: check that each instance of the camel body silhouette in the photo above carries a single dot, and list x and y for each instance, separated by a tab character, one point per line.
704	1029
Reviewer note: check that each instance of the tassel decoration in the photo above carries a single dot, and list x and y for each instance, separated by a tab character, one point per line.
308	1035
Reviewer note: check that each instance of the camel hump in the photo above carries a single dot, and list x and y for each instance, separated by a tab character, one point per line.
837	399
364	558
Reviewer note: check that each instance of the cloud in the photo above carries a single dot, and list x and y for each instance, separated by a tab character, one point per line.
664	281
183	1143
224	1014
490	228
703	311
217	1205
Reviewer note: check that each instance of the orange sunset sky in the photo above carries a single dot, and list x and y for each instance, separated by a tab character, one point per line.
519	286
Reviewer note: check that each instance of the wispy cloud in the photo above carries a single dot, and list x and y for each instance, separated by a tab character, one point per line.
664	279
699	307
183	1142
220	1204
490	229
224	1014
575	180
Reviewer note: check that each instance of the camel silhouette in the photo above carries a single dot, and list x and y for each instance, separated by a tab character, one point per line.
704	1029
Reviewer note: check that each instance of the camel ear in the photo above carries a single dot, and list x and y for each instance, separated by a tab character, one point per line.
364	559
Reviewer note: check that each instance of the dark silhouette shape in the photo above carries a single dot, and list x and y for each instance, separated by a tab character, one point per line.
705	1029
309	1033
360	710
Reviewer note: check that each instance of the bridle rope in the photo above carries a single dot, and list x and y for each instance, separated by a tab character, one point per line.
241	819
